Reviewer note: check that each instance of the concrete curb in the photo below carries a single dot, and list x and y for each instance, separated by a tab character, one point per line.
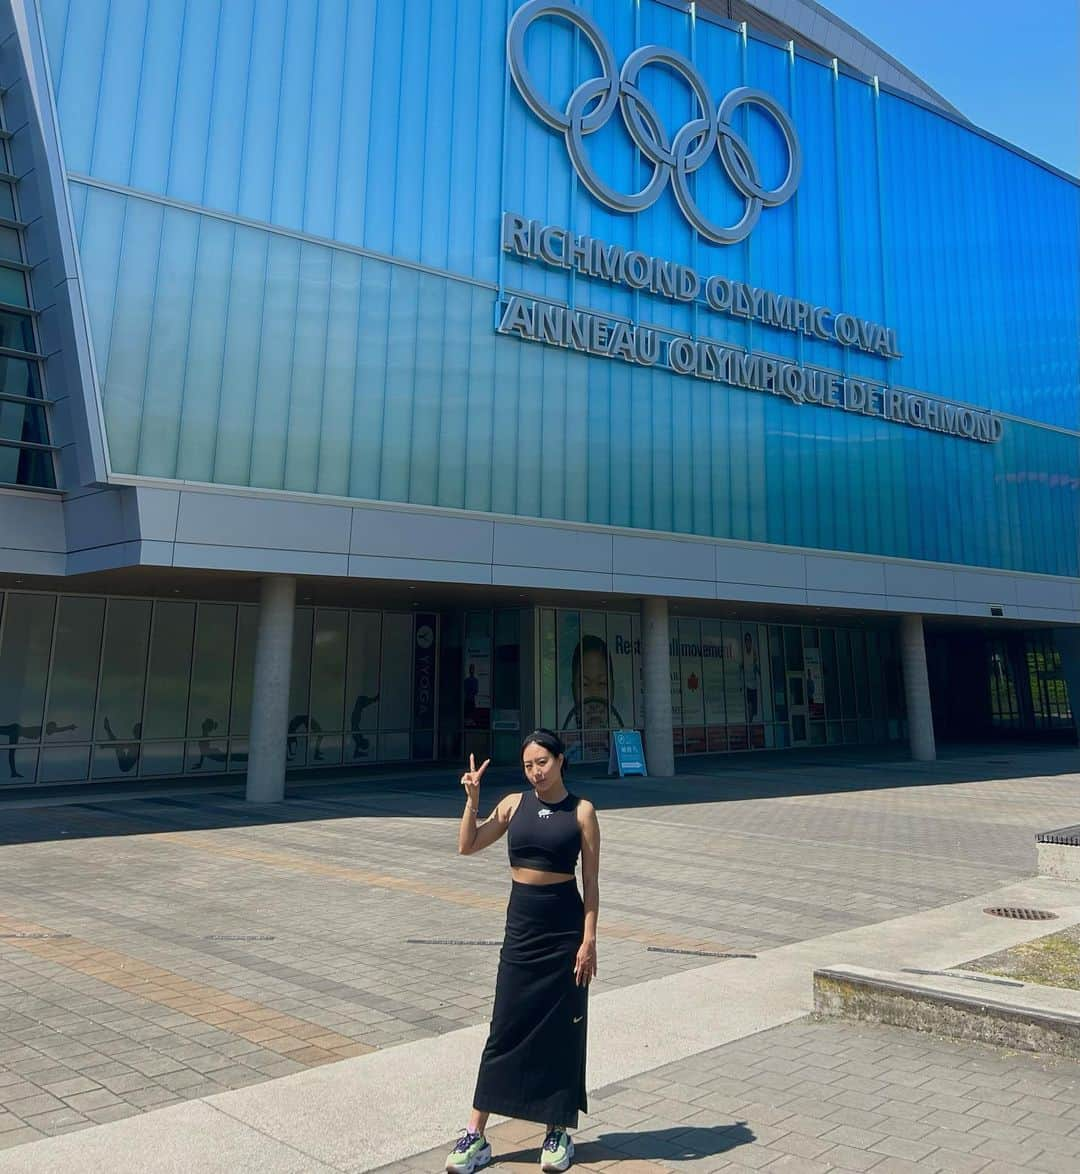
1059	854
1029	1018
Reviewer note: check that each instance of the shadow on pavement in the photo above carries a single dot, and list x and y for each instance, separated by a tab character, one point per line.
30	815
650	1145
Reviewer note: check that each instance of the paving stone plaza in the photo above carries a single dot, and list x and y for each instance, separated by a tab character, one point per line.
159	949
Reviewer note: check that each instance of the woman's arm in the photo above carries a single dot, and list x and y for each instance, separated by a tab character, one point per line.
472	837
585	965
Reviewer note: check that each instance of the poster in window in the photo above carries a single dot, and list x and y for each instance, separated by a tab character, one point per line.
815	682
476	688
712	665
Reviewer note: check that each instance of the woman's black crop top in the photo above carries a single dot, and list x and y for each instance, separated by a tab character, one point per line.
545	836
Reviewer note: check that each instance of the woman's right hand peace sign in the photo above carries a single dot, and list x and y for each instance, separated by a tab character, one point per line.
470	780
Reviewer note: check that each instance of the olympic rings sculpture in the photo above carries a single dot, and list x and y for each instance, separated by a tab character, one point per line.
675	158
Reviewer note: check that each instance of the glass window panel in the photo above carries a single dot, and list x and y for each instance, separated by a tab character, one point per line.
211	677
817	733
506	687
238	753
23	423
17	332
798	727
712	667
621	649
25	643
859	666
835	733
299	685
209	755
394	747
23	466
750	650
843	674
162	758
64	764
890	662
793	649
734	691
247	622
451	677
395	705
828	672
548	659
639	677
765	696
19	765
476	684
7	201
569	666
779	677
123	679
851	733
19	377
675	671
716	737
324	749
170	671
10	249
75	659
877	675
13	286
362	682
691	675
328	662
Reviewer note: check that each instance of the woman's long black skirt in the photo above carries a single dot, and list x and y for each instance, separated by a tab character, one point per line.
533	1066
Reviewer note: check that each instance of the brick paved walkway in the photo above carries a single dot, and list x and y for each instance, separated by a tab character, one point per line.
154	950
818	1096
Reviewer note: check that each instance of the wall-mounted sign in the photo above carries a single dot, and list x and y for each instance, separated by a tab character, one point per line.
599	334
675	155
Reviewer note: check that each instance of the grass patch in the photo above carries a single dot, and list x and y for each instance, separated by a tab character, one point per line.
1053	960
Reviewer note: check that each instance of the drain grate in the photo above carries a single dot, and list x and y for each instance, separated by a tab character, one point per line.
1021	914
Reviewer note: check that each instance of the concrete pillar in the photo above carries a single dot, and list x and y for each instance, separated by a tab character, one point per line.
656	666
270	692
917	689
1067	642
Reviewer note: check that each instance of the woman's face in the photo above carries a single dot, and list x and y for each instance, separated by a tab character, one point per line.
542	768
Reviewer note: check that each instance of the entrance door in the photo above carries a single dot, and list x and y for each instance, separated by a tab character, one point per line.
796	691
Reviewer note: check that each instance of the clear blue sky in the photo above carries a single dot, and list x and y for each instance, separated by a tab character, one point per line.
1012	68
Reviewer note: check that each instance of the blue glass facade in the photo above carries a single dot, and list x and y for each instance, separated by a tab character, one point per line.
289	224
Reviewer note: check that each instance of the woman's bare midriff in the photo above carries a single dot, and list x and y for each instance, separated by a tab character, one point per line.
537	876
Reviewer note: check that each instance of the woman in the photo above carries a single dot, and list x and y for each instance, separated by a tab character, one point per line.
533	1066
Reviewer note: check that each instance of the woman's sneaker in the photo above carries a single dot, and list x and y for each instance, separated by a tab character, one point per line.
557	1152
471	1152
